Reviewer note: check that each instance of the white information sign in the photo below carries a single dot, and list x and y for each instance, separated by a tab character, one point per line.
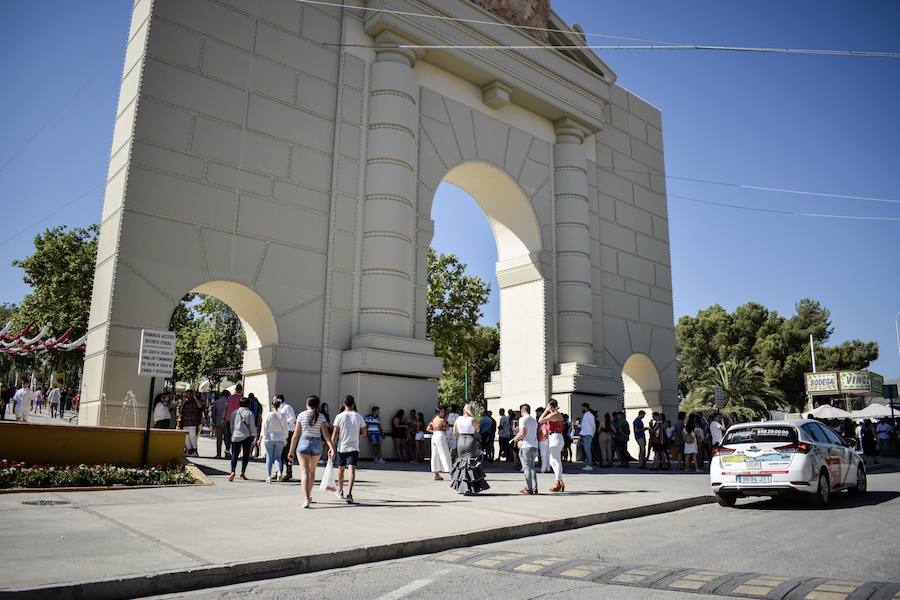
157	353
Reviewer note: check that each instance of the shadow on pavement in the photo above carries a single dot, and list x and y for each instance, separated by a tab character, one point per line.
839	501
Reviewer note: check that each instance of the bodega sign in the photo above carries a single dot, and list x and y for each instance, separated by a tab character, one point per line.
833	383
822	383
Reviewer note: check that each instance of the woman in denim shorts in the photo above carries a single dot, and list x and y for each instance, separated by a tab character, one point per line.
310	430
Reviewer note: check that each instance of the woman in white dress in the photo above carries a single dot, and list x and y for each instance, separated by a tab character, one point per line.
440	452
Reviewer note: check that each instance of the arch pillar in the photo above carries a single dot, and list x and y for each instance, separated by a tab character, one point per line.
573	245
385	365
389	219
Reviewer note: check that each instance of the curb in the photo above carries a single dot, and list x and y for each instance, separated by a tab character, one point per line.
168	582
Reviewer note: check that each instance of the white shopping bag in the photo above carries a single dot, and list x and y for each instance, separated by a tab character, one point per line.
327	483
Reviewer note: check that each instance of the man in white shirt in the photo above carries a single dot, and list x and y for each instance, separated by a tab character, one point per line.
22	402
884	430
347	428
53	399
588	428
715	430
526	437
288	411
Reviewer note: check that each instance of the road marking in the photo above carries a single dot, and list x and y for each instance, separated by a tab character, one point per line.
697	581
409	588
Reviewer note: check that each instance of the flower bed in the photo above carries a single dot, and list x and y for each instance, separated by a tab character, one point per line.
20	475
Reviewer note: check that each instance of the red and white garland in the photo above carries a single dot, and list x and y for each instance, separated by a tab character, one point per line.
20	345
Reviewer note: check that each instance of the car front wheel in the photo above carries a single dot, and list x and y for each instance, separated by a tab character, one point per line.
860	488
823	491
726	500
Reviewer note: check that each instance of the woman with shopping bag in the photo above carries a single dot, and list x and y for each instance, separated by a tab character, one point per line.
309	433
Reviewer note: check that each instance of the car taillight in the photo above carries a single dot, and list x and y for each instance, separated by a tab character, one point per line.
717	450
798	447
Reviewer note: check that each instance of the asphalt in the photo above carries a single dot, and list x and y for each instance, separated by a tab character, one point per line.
760	549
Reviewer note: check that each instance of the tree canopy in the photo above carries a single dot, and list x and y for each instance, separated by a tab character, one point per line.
209	337
777	344
453	306
61	275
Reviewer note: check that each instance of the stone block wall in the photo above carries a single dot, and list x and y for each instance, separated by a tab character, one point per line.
632	273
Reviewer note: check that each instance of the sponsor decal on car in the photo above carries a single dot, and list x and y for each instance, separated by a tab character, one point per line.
769	461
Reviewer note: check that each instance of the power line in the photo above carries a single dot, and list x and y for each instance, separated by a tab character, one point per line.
40	129
783	212
747	186
809	51
52	213
647	44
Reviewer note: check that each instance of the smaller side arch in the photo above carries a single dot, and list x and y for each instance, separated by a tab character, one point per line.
253	311
642	389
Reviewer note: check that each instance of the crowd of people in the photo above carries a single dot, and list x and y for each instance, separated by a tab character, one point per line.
456	441
29	398
872	438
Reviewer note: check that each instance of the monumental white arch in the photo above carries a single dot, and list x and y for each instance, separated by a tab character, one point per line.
520	276
293	150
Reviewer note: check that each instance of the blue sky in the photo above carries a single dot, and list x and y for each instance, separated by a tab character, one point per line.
827	124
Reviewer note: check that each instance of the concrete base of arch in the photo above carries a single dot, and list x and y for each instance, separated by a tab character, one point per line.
392	373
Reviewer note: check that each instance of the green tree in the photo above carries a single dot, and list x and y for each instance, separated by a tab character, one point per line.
185	324
778	344
745	388
60	273
453	307
7	361
209	336
221	338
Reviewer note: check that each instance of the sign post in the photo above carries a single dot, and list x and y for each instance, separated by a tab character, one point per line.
720	397
157	359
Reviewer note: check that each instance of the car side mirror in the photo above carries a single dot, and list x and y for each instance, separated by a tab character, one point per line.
850	443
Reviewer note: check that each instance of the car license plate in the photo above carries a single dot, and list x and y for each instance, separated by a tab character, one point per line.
754	479
754	465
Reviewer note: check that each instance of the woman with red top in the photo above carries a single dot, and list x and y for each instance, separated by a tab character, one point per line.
553	420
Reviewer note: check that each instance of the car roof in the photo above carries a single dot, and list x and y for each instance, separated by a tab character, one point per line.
790	423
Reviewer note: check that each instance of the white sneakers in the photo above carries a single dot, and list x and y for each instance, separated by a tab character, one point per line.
587	468
268	480
306	503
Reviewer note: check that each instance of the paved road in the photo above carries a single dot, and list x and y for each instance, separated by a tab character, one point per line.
848	545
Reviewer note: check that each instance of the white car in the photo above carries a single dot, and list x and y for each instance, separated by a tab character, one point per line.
776	458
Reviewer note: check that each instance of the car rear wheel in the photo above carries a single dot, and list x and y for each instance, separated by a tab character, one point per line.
726	500
823	491
860	488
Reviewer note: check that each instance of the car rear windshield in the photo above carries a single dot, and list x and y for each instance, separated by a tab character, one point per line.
761	433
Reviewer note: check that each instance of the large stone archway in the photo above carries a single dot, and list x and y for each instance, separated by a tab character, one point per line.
294	149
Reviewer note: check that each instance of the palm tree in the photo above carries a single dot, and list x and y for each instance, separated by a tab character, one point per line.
695	402
745	386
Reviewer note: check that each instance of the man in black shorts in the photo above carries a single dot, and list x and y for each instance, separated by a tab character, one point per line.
347	428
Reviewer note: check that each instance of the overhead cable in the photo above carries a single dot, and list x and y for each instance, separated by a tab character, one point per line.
647	44
784	212
55	211
34	135
747	186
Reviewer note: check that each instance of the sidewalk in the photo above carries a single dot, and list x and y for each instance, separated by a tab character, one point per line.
259	530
